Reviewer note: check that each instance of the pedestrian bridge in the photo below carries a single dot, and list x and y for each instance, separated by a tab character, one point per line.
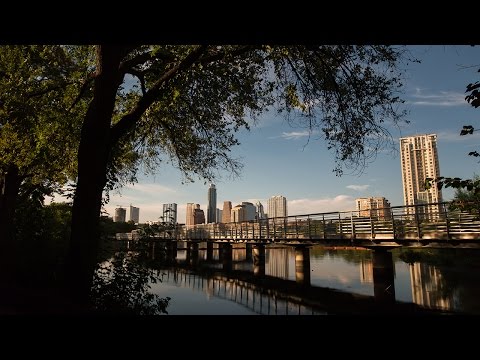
399	225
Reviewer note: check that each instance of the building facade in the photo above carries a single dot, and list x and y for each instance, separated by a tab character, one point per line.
134	214
227	212
277	206
169	213
249	211
259	213
238	213
375	207
219	215
120	215
419	160
212	204
194	215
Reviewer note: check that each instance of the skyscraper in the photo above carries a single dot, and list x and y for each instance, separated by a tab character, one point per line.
259	213
277	206
134	214
169	214
190	214
120	214
419	160
194	215
212	204
227	210
249	211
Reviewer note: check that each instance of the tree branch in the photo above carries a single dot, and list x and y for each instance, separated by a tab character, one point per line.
141	77
127	65
128	121
223	54
82	90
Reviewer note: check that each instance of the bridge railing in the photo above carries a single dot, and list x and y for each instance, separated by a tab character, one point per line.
426	221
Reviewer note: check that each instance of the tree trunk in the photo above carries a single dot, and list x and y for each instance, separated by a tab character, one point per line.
93	156
9	188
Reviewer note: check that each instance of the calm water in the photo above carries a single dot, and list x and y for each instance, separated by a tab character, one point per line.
282	280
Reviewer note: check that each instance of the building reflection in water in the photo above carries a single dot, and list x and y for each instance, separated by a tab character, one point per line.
366	271
428	287
433	287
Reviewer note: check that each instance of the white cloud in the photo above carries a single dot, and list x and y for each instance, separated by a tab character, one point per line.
452	136
295	135
153	189
442	98
358	187
313	206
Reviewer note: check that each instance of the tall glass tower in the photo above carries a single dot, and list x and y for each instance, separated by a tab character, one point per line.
212	204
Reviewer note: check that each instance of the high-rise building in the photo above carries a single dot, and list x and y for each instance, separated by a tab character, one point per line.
219	215
249	211
194	215
169	213
376	207
227	210
134	214
238	213
419	160
199	216
212	204
120	214
259	213
190	214
277	206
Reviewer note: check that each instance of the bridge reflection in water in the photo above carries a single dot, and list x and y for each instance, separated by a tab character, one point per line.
249	275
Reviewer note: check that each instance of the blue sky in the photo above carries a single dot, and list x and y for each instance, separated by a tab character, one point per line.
276	162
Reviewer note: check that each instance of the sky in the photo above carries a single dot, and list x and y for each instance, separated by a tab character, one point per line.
278	161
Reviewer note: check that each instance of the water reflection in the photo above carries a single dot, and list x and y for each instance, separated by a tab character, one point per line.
254	278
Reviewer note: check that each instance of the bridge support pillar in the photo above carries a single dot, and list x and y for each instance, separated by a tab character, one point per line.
249	252
383	277
259	260
209	250
171	250
302	265
227	256
193	253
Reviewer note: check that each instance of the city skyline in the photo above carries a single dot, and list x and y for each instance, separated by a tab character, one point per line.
279	159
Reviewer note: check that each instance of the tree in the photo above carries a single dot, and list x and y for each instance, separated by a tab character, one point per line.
39	126
467	200
190	100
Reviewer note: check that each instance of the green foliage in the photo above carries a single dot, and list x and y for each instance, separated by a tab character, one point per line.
122	283
42	234
39	127
190	120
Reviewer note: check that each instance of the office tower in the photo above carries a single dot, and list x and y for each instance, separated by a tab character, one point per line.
227	210
194	215
120	214
249	211
212	204
199	215
238	213
169	213
134	214
259	213
219	215
375	207
190	214
277	206
419	160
